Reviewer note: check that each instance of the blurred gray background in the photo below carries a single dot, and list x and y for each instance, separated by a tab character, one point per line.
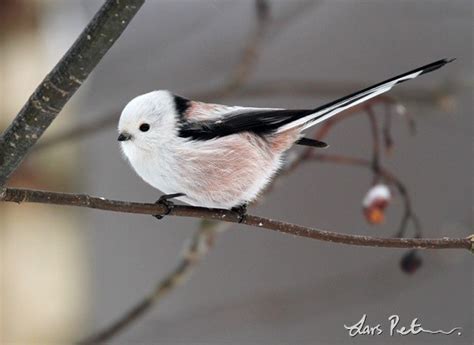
258	286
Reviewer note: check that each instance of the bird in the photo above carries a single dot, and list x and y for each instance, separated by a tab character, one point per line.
219	156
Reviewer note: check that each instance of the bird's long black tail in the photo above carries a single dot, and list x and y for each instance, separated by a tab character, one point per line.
328	110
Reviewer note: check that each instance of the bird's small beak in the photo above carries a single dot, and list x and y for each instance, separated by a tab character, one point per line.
124	136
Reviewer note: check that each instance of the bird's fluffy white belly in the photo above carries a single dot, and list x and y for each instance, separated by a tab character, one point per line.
156	170
225	174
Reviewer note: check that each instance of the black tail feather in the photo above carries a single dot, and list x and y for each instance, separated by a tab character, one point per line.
311	142
327	110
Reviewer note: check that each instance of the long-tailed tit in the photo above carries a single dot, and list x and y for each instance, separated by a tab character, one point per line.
220	156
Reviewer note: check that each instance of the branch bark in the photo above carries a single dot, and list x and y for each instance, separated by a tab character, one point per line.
87	201
63	81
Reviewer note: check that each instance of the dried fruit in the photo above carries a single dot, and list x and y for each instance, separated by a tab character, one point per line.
411	261
375	202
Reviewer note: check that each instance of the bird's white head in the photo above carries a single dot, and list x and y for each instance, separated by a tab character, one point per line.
147	121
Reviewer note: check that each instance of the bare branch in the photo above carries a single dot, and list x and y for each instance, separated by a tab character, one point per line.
387	130
87	201
374	131
63	81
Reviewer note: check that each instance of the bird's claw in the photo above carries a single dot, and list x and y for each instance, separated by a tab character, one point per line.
241	212
164	200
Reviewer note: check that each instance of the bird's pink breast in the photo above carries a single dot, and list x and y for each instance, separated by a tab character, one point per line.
231	170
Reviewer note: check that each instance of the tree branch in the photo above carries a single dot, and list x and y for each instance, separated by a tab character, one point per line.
63	81
87	201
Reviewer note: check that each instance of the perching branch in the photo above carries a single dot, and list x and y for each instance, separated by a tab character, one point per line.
63	81
87	201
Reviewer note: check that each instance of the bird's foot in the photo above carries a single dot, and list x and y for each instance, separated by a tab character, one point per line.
164	200
241	212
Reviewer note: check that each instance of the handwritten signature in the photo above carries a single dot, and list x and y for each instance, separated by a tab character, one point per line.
414	328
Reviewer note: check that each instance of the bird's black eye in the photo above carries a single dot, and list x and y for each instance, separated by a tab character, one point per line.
144	127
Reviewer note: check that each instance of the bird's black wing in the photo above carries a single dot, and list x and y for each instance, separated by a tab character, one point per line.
260	122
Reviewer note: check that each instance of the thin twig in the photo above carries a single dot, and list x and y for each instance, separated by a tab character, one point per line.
87	201
374	131
409	214
389	177
387	130
63	81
